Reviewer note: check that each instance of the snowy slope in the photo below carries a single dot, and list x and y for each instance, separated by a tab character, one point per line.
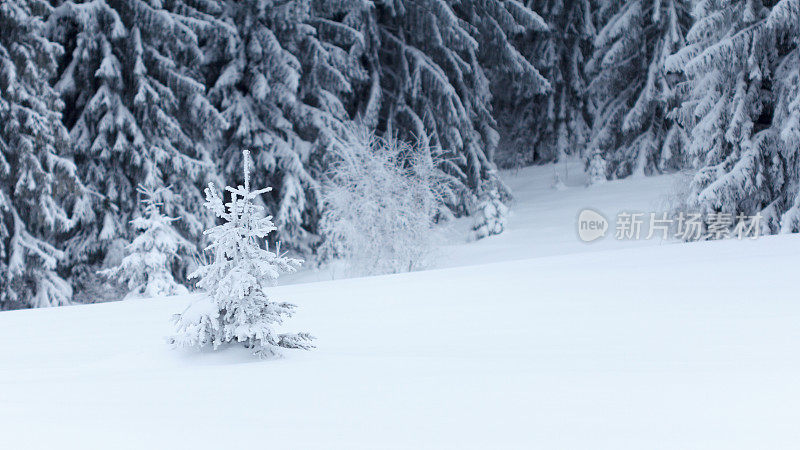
562	346
697	350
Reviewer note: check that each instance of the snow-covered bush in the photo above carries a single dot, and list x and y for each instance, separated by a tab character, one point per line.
381	198
146	268
237	306
490	219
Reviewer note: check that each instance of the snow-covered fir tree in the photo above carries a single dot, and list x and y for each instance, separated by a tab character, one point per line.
37	183
338	57
434	84
507	34
556	124
253	91
146	270
630	88
596	169
784	20
133	82
237	306
490	219
741	105
287	94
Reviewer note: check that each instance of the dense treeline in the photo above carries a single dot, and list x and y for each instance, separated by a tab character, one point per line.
98	98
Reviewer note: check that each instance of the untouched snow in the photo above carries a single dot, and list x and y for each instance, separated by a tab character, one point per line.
543	219
679	346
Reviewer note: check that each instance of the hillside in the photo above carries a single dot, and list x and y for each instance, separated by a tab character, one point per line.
696	348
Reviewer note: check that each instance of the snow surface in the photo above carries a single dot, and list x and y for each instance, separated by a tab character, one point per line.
678	346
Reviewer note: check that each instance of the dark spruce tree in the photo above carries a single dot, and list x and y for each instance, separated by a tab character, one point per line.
38	184
136	110
288	93
631	91
556	124
439	61
742	107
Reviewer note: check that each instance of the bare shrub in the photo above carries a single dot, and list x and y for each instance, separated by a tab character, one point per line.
381	199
